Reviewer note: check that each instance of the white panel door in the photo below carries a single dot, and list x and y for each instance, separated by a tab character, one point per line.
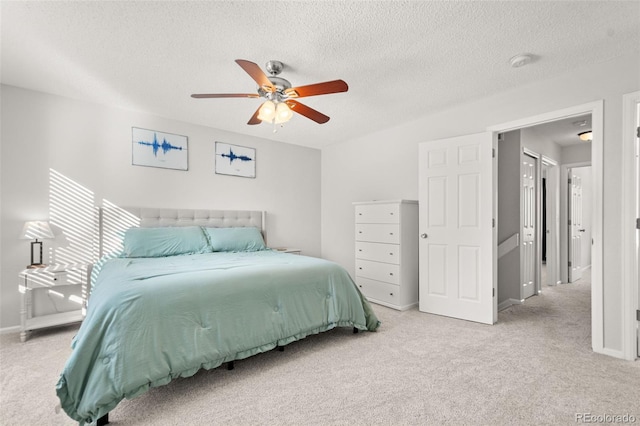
575	227
528	226
457	245
553	225
637	266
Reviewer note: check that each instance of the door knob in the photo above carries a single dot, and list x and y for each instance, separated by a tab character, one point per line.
423	235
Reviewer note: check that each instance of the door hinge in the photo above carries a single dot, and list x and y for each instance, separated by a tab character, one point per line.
493	152
638	314
569	181
638	132
569	264
569	222
493	223
638	223
494	294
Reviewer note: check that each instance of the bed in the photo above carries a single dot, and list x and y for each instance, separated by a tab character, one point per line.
191	290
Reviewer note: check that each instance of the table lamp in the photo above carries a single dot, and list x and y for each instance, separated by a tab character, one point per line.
34	230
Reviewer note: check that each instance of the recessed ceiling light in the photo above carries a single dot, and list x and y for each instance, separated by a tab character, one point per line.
520	60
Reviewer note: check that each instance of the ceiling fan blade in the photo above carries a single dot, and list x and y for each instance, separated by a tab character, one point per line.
225	95
254	118
334	86
257	74
310	113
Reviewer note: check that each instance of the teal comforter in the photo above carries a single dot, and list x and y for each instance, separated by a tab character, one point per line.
151	320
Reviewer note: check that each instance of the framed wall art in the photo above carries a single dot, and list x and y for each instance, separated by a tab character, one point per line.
159	149
235	160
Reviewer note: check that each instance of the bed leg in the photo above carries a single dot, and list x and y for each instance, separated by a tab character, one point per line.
104	420
230	365
355	330
281	348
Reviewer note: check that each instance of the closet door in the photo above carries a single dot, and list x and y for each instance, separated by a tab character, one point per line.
458	259
575	228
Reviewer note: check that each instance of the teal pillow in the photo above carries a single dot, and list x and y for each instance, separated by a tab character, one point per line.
235	239
162	242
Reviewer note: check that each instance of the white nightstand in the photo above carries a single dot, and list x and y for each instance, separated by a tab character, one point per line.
288	250
73	277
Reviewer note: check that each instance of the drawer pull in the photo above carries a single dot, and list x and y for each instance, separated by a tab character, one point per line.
360	268
391	273
359	232
360	286
359	249
390	233
390	294
390	254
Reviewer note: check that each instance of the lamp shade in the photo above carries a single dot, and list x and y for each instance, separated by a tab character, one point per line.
267	111
283	113
36	229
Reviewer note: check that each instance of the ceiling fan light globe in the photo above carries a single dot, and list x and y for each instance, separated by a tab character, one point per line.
267	111
283	113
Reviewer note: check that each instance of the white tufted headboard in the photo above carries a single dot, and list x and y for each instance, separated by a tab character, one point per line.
115	220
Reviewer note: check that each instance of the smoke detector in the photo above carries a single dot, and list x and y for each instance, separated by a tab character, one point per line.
520	60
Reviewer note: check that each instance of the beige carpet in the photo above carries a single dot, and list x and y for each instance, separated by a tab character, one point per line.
534	367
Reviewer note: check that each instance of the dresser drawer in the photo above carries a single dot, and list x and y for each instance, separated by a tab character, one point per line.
378	213
378	271
378	233
47	279
388	253
377	290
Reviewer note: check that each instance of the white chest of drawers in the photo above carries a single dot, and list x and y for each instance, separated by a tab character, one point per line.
387	252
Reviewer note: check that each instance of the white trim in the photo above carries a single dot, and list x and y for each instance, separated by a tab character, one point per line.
508	303
8	330
550	162
596	109
547	117
530	153
630	198
612	352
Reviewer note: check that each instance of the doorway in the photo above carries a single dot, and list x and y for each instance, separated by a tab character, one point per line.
595	109
469	160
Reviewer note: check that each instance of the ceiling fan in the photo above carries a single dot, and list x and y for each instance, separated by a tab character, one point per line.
281	98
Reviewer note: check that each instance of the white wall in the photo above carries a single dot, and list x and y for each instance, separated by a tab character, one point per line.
384	164
90	145
577	153
536	143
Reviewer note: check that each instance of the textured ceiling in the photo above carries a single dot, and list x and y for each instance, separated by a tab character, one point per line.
401	59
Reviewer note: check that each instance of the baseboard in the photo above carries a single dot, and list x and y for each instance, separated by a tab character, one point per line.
509	302
613	353
7	330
